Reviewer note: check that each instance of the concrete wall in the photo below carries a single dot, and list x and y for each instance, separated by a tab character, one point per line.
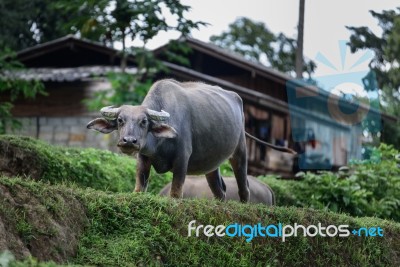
66	131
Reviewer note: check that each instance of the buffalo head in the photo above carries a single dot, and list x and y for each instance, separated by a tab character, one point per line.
133	123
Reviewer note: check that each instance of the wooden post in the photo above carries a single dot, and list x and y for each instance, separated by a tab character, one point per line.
300	35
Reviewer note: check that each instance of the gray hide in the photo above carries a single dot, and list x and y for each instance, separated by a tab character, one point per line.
186	128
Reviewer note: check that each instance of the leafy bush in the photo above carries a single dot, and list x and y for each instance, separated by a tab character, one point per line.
286	191
13	88
126	88
367	189
226	169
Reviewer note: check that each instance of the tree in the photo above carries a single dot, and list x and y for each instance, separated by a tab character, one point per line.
111	21
385	64
25	23
256	42
122	21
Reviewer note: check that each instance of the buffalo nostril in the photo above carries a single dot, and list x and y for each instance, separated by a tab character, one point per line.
129	140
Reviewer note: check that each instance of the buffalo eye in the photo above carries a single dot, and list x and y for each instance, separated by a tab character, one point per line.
120	121
143	123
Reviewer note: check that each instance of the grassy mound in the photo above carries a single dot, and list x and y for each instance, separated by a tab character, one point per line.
98	169
121	229
46	224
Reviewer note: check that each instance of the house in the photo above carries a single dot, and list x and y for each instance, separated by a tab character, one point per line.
277	111
73	69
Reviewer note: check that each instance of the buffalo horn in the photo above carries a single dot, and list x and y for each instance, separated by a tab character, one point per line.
110	112
158	116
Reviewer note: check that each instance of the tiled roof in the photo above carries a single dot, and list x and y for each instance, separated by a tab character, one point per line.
65	74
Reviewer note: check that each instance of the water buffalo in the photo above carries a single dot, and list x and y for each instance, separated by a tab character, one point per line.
197	187
186	128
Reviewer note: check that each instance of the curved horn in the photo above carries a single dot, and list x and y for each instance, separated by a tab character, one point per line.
110	112
158	116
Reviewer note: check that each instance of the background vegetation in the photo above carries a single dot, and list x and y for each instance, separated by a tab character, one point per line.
384	64
366	189
256	42
12	88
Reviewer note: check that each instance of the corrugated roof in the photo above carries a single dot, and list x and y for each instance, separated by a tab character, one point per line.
74	44
65	74
237	60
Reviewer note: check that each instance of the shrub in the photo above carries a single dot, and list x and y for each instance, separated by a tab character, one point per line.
367	189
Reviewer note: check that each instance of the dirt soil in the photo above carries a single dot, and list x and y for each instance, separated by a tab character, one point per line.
19	161
46	226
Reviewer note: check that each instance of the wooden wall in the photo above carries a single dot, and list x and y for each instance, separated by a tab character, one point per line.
62	99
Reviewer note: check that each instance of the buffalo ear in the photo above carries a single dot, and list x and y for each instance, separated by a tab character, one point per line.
102	125
163	130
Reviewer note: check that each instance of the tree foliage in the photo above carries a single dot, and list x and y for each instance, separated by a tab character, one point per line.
22	24
124	21
12	88
385	63
256	42
25	23
110	21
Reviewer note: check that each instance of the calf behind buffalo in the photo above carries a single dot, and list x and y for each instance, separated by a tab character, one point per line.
197	187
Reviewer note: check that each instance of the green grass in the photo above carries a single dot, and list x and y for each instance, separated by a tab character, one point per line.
79	200
98	169
128	229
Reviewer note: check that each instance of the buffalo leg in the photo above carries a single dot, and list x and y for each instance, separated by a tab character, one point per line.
142	173
179	174
216	184
239	165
